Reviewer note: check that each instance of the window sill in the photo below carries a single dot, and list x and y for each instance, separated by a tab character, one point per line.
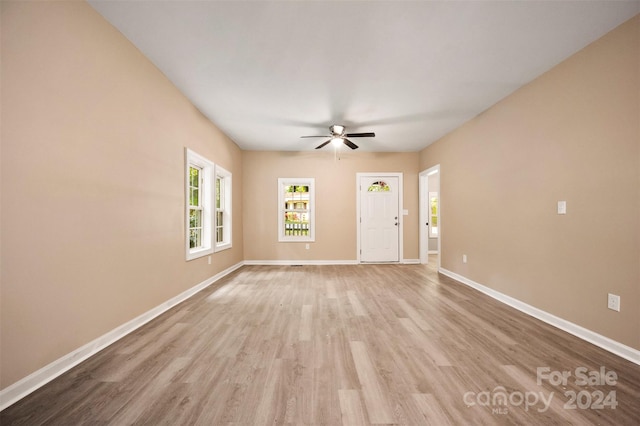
195	254
296	240
223	247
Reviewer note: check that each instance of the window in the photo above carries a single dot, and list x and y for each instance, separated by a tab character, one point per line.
223	209
198	183
296	218
379	186
433	215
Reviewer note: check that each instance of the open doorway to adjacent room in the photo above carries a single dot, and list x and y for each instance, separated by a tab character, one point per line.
430	224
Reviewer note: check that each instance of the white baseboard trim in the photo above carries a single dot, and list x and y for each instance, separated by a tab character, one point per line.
599	340
317	262
299	262
39	378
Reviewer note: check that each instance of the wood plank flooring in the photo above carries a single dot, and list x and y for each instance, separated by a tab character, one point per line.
350	345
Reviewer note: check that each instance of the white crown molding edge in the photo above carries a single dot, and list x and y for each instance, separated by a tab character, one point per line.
610	345
39	378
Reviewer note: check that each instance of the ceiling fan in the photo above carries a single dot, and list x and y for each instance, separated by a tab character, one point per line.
338	136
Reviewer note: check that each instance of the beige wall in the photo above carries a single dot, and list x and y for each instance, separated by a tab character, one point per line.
336	232
92	183
573	134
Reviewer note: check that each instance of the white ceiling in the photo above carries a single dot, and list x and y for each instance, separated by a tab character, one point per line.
268	72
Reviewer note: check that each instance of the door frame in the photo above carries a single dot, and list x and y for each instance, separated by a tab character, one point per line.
400	211
423	197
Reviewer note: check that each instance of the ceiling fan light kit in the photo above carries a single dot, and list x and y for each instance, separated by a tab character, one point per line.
338	136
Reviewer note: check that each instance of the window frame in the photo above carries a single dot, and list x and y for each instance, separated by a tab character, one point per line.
225	177
282	184
205	198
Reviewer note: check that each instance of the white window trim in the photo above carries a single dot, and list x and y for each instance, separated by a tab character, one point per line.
226	198
282	183
207	167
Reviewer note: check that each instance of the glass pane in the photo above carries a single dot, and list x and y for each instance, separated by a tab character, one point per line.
434	205
379	187
296	197
195	218
194	177
218	194
433	214
219	235
296	223
195	238
219	218
194	197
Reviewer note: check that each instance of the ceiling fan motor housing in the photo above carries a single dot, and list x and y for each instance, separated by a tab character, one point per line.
337	130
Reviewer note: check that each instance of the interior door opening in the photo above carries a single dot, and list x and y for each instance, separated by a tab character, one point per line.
430	223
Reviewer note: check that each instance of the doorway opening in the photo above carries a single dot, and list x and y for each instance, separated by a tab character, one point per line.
430	206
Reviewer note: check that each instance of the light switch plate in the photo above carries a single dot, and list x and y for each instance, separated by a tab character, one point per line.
562	207
613	302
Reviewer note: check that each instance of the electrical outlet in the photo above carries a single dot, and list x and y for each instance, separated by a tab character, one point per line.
464	258
209	260
306	246
613	302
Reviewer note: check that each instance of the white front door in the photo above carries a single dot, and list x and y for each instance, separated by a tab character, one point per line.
379	219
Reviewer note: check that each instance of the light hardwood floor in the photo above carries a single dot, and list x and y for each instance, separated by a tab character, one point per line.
351	345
